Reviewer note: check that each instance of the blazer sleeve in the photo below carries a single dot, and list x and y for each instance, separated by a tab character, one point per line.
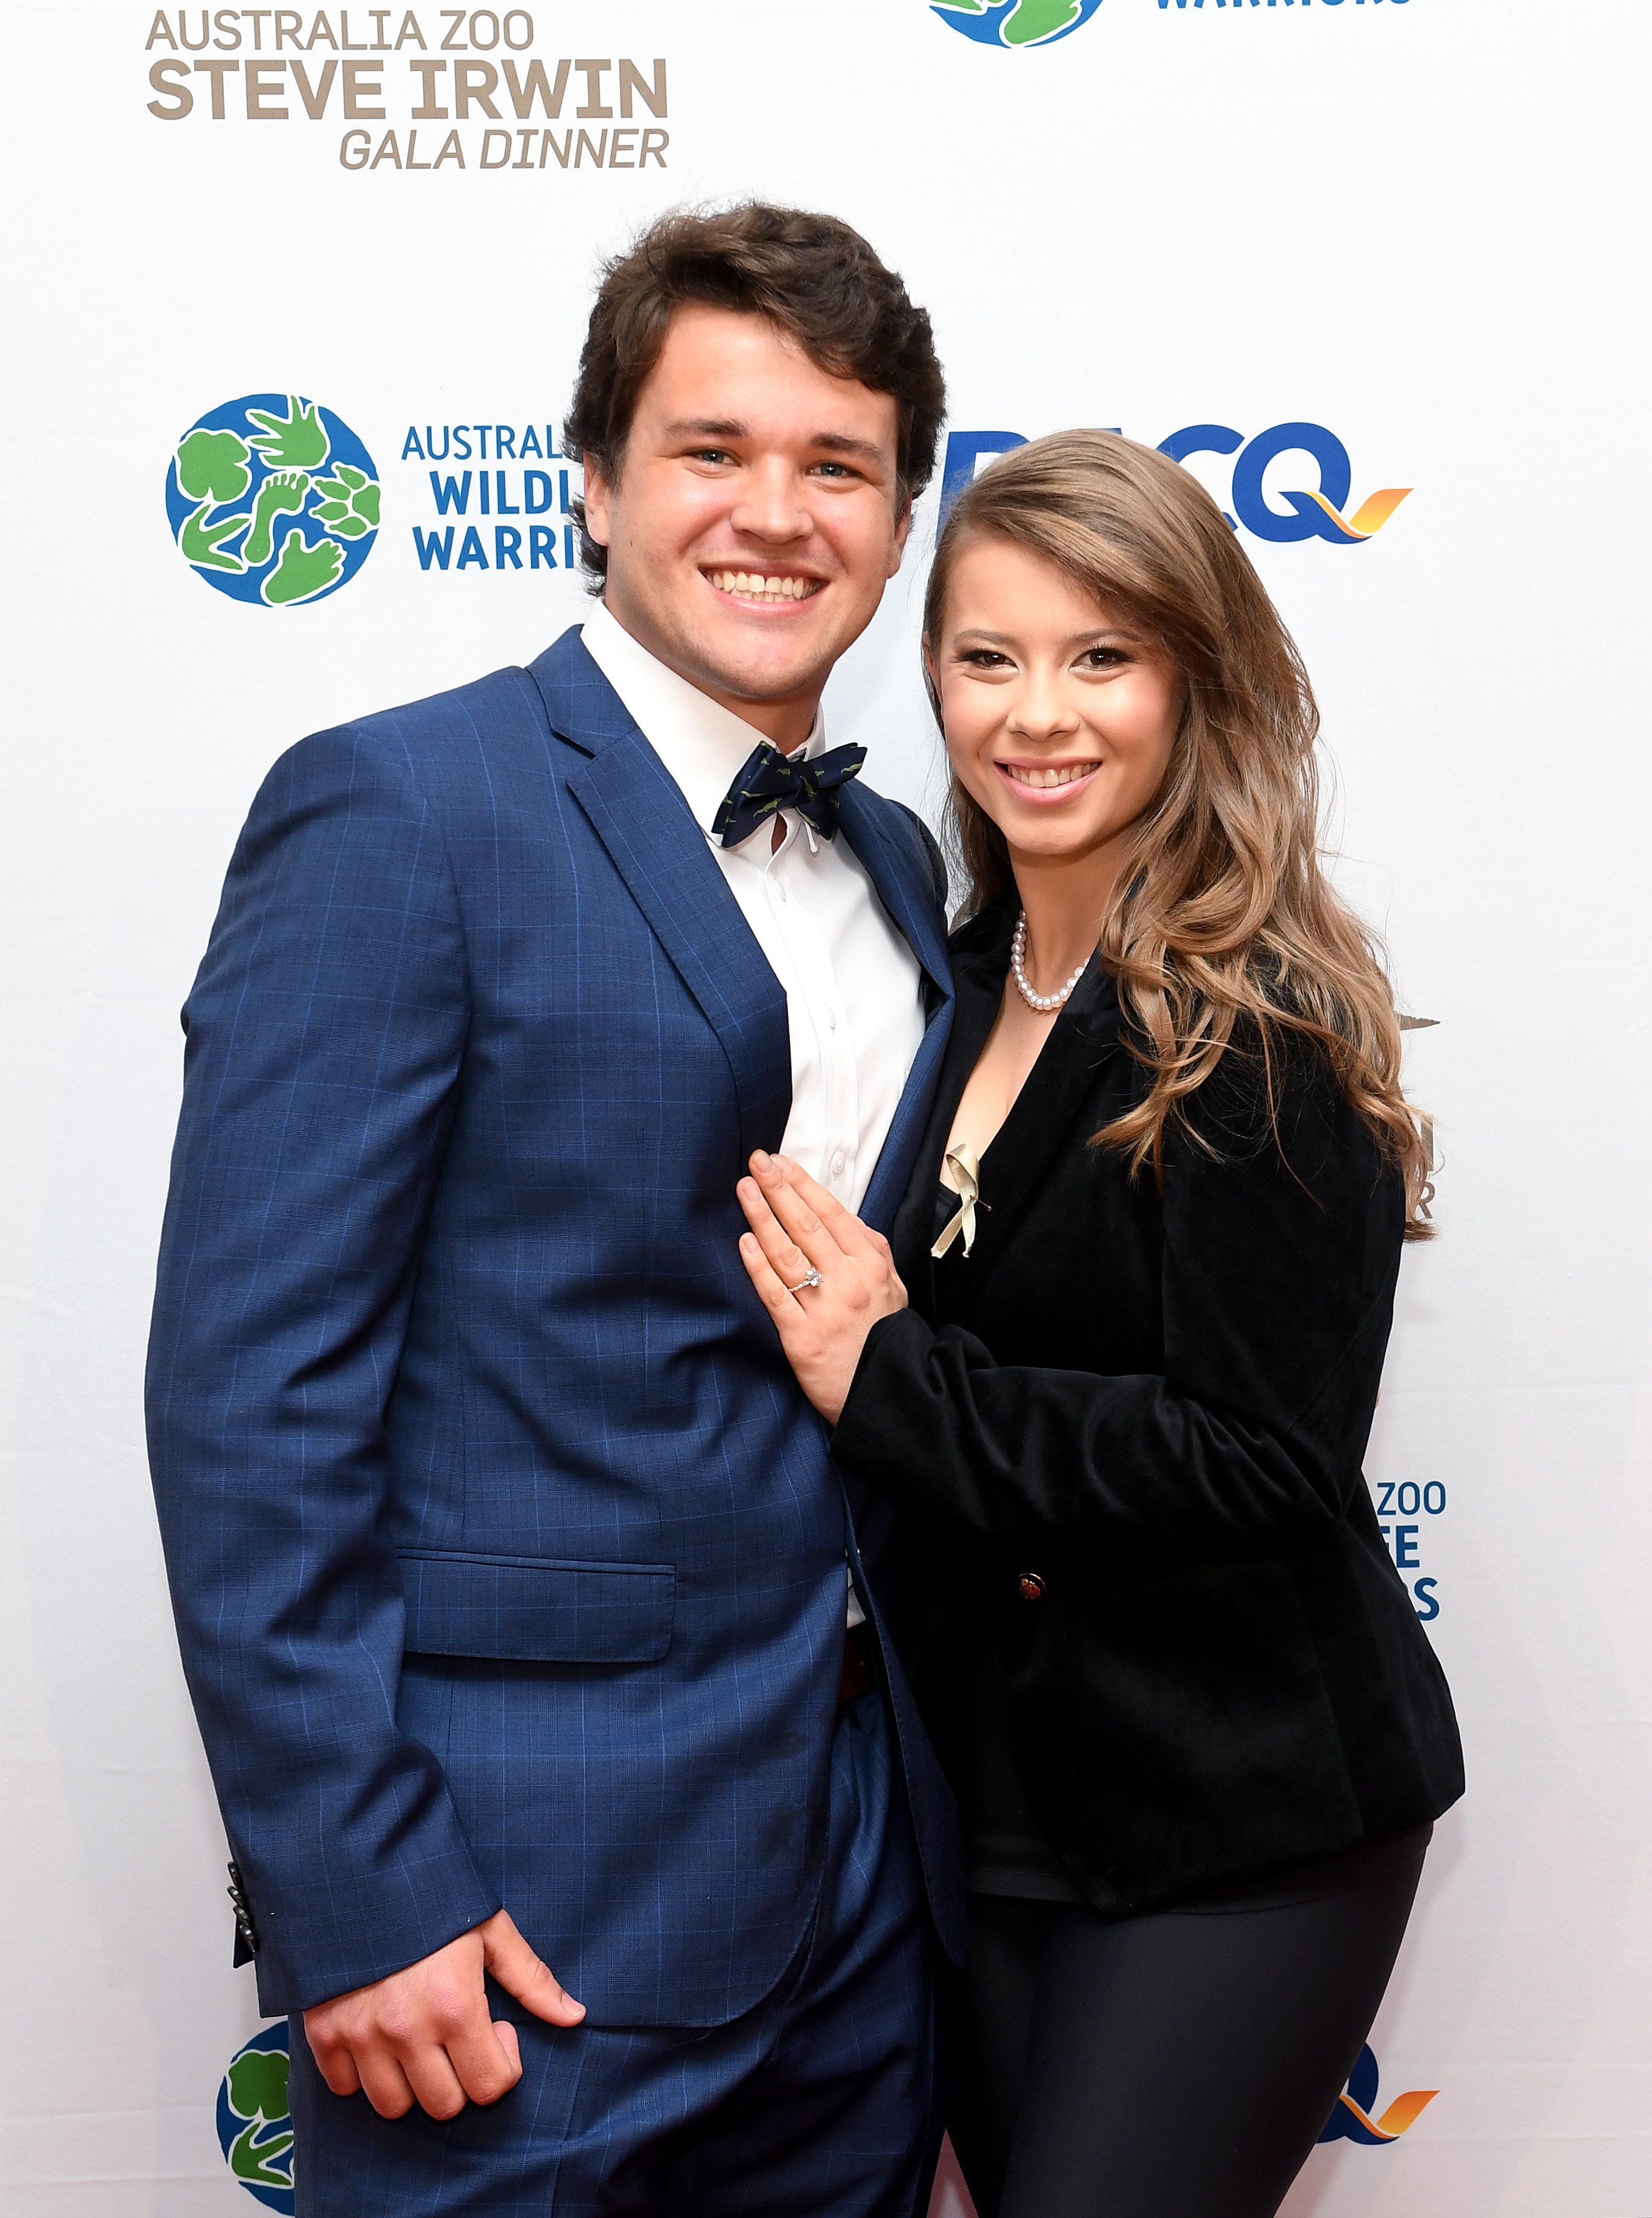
324	1037
1279	1261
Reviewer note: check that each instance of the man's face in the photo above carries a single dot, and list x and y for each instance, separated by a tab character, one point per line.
756	518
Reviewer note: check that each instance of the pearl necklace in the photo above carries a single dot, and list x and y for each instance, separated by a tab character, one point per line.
1042	1002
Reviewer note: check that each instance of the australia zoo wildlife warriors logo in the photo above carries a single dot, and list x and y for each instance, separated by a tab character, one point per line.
272	500
254	2127
1015	23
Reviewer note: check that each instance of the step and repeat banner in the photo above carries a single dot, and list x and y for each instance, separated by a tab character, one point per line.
296	297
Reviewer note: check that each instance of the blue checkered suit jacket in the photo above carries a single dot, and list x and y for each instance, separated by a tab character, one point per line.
507	1557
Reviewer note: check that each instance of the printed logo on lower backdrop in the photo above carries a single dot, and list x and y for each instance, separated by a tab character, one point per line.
254	2125
1352	2119
272	500
1014	23
1319	511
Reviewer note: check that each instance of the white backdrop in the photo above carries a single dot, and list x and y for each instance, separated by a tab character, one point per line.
1417	223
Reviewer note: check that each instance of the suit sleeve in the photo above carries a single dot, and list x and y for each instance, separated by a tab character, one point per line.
325	1033
1279	1262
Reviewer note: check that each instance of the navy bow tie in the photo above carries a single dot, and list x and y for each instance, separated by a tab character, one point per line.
768	782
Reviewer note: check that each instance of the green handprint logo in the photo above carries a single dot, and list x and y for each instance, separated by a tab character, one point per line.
272	500
212	466
1015	23
350	502
303	571
284	495
297	441
258	2090
202	542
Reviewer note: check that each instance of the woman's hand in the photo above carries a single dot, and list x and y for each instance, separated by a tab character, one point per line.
798	1228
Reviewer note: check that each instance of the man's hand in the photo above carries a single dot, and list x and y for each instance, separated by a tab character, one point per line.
424	2034
799	1232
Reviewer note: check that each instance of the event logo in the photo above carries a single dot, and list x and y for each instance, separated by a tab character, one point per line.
1352	2120
254	2125
1015	23
272	500
1318	512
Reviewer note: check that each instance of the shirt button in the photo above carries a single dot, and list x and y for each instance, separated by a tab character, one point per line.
832	1020
838	1162
1031	1587
780	888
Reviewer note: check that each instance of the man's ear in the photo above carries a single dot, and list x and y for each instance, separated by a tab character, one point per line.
598	495
902	528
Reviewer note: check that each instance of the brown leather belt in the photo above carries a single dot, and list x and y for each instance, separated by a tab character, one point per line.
859	1672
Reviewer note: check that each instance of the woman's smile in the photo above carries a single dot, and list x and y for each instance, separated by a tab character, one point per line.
1042	784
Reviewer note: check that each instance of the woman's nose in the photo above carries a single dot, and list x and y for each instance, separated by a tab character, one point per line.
1041	710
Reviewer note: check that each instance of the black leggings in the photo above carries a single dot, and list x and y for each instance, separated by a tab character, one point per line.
1176	2065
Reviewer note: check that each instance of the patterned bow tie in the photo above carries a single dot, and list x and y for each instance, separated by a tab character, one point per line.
768	782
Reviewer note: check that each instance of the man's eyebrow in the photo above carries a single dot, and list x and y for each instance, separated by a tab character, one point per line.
705	427
839	442
728	427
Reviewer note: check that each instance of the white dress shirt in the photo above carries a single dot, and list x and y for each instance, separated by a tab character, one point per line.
854	990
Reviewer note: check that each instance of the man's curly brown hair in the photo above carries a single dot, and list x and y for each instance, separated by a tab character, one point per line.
811	276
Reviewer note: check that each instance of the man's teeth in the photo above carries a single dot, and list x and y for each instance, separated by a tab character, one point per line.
1049	776
753	581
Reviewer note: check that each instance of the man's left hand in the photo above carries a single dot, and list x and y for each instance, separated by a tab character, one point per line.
797	1228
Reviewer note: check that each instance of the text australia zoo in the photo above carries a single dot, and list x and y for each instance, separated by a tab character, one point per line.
436	71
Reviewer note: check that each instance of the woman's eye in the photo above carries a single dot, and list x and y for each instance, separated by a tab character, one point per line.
1105	657
983	658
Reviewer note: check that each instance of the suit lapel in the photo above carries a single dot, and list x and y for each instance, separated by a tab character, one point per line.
1042	1119
979	987
905	889
637	810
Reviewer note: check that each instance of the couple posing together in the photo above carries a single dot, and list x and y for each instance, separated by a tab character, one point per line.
765	1506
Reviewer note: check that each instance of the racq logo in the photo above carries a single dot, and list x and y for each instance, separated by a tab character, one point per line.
1354	2117
1318	512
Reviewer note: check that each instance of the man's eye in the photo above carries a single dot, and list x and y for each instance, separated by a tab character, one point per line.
833	470
710	454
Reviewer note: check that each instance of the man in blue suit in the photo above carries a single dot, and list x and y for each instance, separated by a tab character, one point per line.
536	1648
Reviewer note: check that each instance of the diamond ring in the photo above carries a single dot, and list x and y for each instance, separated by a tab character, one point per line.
811	1278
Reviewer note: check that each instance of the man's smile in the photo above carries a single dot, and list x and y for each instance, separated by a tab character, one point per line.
761	587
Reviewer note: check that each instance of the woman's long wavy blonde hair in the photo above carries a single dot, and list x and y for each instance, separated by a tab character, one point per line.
1225	913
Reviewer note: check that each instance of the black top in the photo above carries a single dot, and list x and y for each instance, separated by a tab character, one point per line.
1125	1436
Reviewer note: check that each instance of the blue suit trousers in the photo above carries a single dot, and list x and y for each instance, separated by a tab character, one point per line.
820	2102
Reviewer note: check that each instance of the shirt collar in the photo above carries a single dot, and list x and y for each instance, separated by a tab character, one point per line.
701	743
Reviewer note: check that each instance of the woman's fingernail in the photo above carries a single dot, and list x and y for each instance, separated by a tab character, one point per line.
762	1162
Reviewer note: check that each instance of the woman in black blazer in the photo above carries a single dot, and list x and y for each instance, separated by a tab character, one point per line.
1118	1368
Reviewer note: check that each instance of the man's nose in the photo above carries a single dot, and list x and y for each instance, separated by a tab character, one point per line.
770	507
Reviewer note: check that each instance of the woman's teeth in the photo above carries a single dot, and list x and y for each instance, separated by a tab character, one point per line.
754	582
1067	777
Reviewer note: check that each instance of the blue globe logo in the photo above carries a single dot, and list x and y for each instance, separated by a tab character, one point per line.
254	2125
272	500
1015	23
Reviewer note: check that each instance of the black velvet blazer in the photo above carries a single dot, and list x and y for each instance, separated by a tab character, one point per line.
1138	1474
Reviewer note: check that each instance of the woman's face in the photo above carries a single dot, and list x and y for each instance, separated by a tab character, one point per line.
1059	718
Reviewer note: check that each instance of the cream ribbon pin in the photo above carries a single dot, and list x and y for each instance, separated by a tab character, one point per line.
965	1168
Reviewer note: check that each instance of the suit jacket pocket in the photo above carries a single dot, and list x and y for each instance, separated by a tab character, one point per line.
537	1610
